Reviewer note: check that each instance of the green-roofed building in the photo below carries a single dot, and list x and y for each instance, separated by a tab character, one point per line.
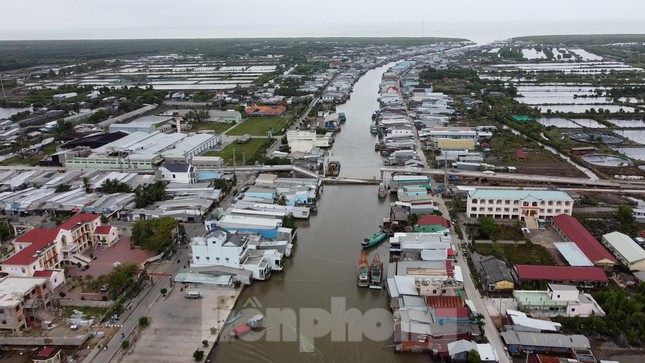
521	118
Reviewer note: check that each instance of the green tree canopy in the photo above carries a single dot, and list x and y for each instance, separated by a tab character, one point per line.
154	234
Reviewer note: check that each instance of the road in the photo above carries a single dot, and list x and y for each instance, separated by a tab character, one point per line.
473	294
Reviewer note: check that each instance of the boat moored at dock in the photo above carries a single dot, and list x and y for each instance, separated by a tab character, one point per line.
376	273
363	272
373	240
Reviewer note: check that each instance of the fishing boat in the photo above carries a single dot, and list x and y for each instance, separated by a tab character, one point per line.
251	324
234	318
341	117
374	129
382	190
376	273
363	271
333	168
373	240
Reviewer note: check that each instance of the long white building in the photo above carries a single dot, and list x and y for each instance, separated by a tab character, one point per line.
518	204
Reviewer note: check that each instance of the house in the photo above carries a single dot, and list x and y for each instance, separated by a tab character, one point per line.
305	141
268	228
20	299
178	173
221	248
572	230
626	250
495	275
431	224
451	315
586	277
459	350
518	204
47	355
557	300
265	111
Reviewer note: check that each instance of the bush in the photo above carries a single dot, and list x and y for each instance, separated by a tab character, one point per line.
163	291
125	344
198	355
237	284
144	321
62	294
205	343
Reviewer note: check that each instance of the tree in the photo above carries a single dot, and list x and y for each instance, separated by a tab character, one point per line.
198	355
120	277
488	226
473	357
163	291
111	186
625	214
104	219
144	321
149	194
125	344
205	343
154	234
63	188
86	184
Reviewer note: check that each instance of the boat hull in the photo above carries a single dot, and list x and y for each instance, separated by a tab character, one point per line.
373	240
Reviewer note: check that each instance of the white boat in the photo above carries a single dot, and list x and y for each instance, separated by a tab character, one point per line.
255	321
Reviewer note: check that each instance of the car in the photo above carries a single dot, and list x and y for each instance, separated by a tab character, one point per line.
104	288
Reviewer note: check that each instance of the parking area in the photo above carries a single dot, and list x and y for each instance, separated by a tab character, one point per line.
106	258
178	325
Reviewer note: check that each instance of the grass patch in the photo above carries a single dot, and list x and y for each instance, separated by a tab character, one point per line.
248	151
88	311
218	127
18	160
259	126
516	254
50	148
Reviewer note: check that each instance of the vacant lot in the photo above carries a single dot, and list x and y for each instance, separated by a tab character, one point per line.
243	152
259	126
516	254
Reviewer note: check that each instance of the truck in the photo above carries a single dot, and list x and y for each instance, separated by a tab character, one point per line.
193	294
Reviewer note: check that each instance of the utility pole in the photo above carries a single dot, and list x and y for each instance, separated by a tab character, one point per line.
234	169
3	94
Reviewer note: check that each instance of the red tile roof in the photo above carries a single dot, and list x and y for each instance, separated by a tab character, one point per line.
579	235
433	220
102	229
560	273
78	218
43	273
39	238
520	154
445	301
275	110
460	312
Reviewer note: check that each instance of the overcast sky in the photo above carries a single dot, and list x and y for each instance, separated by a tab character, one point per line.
480	20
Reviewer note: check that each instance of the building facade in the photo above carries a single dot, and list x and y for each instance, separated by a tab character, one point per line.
518	204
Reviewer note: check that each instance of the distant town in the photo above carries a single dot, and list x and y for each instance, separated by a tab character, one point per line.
158	204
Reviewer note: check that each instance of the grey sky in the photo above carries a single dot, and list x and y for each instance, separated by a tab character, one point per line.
475	19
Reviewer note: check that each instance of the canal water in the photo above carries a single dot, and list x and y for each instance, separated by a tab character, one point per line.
323	265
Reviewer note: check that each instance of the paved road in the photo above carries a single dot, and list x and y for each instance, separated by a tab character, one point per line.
473	294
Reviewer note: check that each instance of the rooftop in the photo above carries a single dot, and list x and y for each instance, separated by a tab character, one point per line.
39	239
579	235
560	273
13	289
625	246
573	254
528	195
78	219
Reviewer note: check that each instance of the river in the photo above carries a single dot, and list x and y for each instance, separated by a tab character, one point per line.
323	265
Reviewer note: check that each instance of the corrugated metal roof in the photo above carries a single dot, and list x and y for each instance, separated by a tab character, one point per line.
573	254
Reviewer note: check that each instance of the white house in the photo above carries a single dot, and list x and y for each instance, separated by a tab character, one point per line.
64	96
558	300
178	173
221	248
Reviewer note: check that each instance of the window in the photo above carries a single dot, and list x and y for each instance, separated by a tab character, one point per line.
473	209
573	309
474	201
173	176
